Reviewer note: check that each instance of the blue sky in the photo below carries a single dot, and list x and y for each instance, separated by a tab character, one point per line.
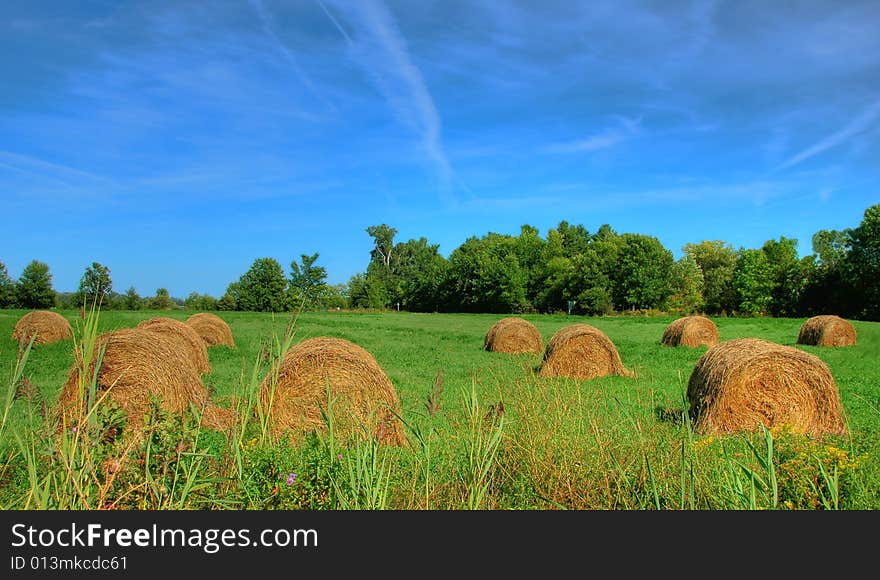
175	142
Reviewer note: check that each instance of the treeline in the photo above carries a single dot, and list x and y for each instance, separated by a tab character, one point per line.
573	269
570	270
263	288
34	289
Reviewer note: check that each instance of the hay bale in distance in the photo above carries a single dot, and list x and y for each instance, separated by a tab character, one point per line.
47	325
190	340
690	331
213	329
827	330
581	351
513	335
363	395
741	384
137	365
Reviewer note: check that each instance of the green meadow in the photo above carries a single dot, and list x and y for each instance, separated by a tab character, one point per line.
484	430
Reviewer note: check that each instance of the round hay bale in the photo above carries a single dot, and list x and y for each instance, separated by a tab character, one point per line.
47	325
139	364
362	394
190	340
741	384
690	331
513	335
581	351
827	330
213	329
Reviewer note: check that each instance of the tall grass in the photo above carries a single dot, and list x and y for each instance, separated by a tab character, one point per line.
482	442
15	380
73	459
69	480
609	443
749	487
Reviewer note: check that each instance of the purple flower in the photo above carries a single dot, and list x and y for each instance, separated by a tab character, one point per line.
291	478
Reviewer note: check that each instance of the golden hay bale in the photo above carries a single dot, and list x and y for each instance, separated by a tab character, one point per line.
213	329
363	395
139	364
827	330
741	384
513	335
48	326
581	351
690	331
190	340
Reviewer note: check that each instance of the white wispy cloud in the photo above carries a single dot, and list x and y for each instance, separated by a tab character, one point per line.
858	125
48	171
590	196
268	28
379	48
604	139
335	23
530	203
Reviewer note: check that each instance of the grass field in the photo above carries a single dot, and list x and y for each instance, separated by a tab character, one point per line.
607	443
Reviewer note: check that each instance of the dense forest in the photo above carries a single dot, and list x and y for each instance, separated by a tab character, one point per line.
569	270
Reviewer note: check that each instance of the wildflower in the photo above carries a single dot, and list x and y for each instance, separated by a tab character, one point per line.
291	478
339	457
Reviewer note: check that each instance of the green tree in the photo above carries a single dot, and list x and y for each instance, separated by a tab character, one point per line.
229	300
556	279
132	299
115	301
95	285
717	260
263	288
551	274
641	278
686	283
69	300
575	239
419	271
787	276
367	290
831	247
753	282
7	288
383	243
35	286
484	275
377	296
382	283
308	283
161	301
407	274
357	291
828	288
590	284
528	248
201	302
337	296
582	273
862	265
